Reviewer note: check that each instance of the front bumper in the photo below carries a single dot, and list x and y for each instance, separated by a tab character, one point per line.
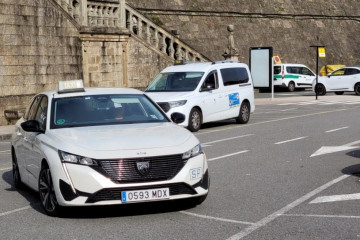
94	188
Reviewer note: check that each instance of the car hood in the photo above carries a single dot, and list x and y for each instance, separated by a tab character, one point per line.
169	96
127	138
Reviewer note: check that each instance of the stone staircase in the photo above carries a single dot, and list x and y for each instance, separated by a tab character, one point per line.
117	14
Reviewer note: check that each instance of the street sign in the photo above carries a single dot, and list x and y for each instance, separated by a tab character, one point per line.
322	52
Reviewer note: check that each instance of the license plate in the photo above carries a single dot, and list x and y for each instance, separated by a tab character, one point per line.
145	195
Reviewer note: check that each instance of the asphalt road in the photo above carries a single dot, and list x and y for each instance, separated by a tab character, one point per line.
273	178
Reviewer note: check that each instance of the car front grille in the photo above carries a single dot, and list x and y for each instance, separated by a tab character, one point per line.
130	171
164	105
108	194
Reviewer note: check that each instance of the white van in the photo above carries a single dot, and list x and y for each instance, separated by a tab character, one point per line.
293	76
205	92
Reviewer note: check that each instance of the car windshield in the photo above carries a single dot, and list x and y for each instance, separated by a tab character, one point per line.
104	110
175	82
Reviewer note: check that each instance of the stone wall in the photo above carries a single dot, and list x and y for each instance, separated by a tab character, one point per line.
289	26
38	46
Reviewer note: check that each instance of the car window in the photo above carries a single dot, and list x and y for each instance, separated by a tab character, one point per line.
233	76
339	72
30	113
211	81
103	110
41	112
351	71
277	69
306	71
175	81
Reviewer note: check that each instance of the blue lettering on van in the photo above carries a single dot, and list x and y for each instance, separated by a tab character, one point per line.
234	100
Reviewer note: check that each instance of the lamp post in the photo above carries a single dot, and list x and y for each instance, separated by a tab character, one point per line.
318	54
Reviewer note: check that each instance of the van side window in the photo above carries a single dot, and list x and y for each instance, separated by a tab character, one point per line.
294	70
211	81
277	69
306	71
233	76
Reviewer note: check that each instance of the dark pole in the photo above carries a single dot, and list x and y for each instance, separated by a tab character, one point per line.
317	67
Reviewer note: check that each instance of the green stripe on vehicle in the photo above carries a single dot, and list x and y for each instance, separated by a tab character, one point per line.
286	76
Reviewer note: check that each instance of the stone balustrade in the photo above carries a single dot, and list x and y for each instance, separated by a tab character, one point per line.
118	14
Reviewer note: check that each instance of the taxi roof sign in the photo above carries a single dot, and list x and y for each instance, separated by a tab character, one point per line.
71	86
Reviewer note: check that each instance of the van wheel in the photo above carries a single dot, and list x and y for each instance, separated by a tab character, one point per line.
244	113
339	93
320	89
194	120
291	86
357	89
47	192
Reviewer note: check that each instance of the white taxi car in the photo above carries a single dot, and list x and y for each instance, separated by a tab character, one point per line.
292	76
205	92
98	146
345	79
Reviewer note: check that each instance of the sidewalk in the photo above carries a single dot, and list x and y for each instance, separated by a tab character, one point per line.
6	131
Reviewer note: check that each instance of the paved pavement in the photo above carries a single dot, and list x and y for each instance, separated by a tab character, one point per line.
5	131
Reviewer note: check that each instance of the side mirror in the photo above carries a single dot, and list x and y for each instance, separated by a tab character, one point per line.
208	87
32	126
177	117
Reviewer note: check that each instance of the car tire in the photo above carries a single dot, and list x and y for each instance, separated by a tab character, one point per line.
339	93
15	170
47	193
320	89
244	113
291	86
357	89
195	120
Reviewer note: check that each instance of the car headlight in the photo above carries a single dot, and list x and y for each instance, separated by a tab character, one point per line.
72	158
192	152
177	103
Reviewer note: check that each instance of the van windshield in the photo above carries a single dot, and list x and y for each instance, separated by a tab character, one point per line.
175	82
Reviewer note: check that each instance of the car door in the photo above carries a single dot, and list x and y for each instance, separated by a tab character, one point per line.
23	146
211	97
352	77
236	88
337	80
306	77
33	163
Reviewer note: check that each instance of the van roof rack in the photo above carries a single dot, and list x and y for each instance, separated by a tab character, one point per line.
225	61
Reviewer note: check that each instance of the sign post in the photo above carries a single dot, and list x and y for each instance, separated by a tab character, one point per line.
320	52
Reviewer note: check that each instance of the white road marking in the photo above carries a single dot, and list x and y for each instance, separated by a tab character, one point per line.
228	155
268	121
14	211
226	139
336	198
6	151
285	209
288	109
320	216
216	218
291	140
333	149
337	129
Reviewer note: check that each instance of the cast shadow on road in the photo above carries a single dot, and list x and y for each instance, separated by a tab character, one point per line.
353	169
100	211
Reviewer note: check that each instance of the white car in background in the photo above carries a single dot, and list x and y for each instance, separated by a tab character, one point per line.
345	79
102	146
205	92
292	76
